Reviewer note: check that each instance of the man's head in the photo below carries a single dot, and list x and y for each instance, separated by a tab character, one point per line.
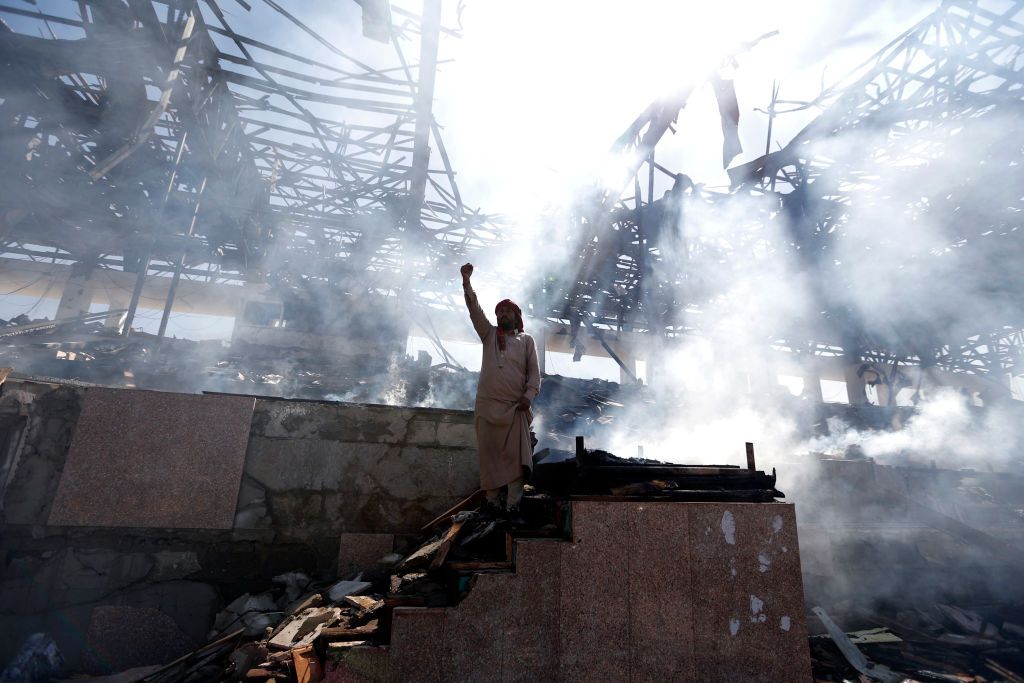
510	317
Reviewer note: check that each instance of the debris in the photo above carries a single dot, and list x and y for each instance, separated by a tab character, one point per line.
295	583
305	627
474	500
342	645
307	665
37	661
432	552
342	589
253	612
349	633
1001	670
314	600
873	635
177	669
247	656
875	672
363	603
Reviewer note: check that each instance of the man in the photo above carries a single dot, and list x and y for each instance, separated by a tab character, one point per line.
509	381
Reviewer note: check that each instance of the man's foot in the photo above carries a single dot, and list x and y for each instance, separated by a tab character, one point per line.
515	517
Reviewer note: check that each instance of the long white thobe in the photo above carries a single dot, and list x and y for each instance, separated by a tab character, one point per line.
502	431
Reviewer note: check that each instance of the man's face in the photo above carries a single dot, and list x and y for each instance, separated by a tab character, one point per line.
506	317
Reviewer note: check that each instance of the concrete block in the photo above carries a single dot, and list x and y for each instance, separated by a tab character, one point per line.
419	470
456	434
332	422
465	471
53	413
174	564
121	638
422	431
357	552
314	464
371	513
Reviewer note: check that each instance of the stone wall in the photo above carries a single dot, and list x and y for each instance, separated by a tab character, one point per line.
312	473
317	468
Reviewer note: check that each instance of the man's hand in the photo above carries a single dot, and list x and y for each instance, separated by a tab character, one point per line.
523	404
467	272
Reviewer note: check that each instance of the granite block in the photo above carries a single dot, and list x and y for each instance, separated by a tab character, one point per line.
477	633
418	645
360	664
645	591
121	638
357	552
748	606
151	459
661	594
531	652
594	599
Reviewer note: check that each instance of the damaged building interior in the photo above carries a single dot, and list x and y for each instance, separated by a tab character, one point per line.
779	325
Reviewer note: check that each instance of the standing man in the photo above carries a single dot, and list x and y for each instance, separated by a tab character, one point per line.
509	381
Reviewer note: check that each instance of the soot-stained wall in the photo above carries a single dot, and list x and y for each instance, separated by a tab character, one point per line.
312	473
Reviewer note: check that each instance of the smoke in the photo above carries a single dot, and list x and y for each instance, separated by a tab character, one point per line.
916	252
946	430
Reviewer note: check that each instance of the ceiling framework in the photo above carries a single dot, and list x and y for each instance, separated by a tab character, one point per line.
151	137
927	132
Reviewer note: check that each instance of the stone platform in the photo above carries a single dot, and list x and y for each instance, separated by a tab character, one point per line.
645	591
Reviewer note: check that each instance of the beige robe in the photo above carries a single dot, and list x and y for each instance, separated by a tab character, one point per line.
502	432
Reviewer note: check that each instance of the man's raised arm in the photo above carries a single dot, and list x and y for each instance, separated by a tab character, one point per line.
476	314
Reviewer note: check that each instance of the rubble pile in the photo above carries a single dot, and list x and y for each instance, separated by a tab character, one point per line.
599	473
291	633
301	627
927	642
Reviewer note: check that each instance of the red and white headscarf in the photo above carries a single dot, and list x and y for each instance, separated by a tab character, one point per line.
518	324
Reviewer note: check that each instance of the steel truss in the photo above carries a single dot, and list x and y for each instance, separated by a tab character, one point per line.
150	137
929	91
